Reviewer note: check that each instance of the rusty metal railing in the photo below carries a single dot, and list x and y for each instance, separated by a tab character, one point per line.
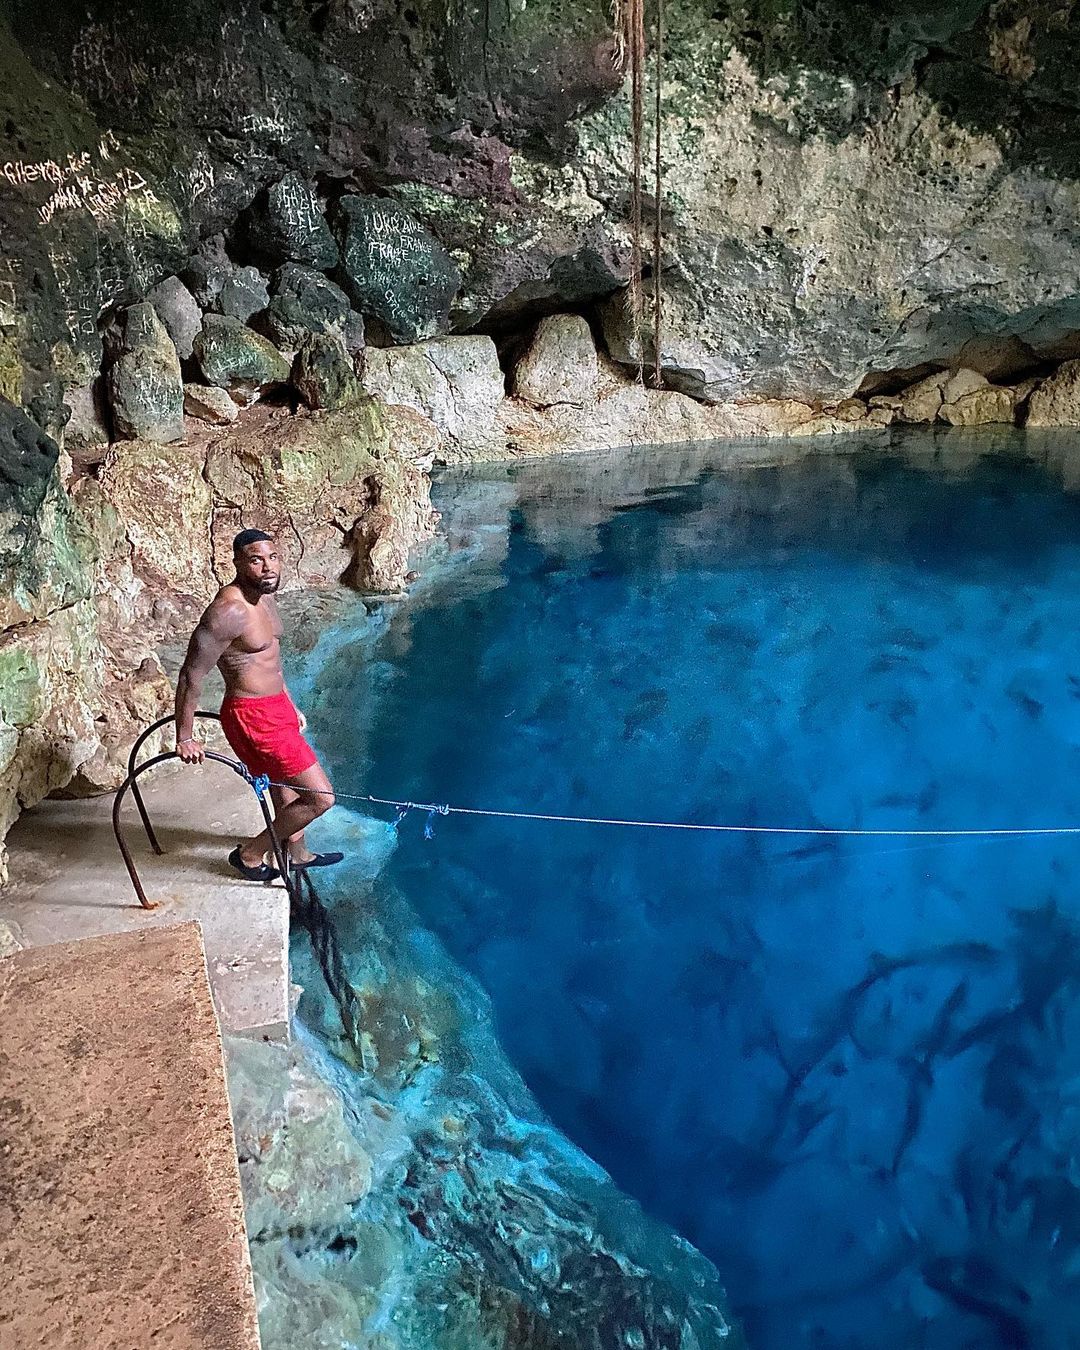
259	785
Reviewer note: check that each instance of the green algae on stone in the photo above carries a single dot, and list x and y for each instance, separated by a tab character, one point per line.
232	356
21	687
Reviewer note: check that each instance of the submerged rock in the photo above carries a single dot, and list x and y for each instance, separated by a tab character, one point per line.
559	365
300	1167
146	390
394	269
234	358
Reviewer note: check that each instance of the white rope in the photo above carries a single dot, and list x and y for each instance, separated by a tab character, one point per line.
446	810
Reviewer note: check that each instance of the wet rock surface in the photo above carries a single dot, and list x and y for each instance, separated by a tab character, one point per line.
400	1186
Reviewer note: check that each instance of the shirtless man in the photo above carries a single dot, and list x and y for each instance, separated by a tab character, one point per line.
240	633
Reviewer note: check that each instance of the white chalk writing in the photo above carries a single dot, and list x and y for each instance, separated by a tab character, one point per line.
79	183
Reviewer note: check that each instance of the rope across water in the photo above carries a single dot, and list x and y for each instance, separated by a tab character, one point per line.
444	809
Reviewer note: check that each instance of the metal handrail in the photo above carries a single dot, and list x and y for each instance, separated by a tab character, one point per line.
260	786
133	756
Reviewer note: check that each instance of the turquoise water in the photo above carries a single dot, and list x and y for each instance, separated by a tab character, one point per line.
848	1071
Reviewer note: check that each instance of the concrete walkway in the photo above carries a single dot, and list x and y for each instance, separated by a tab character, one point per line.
68	881
121	1223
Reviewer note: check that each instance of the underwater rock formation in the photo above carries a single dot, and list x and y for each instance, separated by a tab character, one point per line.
401	1187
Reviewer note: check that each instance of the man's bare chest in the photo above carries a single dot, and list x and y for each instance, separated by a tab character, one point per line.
261	633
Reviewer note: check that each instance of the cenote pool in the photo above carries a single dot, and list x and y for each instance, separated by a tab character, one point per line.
847	1070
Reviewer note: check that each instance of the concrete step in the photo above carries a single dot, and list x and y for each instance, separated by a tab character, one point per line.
121	1222
67	881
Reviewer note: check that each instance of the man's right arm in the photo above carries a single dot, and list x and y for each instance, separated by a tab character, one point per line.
218	627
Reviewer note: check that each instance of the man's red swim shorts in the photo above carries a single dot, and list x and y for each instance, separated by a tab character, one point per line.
265	734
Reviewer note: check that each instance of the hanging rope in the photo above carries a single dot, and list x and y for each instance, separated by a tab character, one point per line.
635	18
657	194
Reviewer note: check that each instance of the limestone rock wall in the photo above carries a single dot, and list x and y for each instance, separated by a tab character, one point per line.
868	215
98	571
845	190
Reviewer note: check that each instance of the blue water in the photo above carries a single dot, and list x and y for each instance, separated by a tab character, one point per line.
847	1070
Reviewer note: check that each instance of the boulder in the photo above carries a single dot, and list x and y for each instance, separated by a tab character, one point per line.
322	373
850	410
179	311
980	407
691	361
393	269
303	302
209	404
455	381
244	294
353	335
285	225
1056	402
921	401
146	391
88	424
962	382
207	271
234	358
559	365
